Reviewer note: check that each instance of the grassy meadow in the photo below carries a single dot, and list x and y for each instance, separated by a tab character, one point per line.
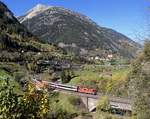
106	79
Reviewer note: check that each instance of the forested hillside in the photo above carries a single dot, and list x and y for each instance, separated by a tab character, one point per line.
16	43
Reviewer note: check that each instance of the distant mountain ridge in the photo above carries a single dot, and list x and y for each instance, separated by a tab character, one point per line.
76	33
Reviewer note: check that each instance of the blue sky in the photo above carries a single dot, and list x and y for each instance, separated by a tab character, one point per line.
129	17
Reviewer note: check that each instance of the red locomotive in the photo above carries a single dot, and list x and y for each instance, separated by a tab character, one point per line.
86	90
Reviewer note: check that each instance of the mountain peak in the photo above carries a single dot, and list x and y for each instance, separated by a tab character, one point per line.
39	8
40	5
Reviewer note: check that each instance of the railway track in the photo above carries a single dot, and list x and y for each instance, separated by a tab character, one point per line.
73	89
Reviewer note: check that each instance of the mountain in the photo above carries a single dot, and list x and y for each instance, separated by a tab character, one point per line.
75	32
17	43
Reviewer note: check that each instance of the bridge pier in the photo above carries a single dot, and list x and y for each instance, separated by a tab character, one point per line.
89	103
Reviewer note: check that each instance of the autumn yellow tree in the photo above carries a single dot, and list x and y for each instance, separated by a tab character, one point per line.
30	105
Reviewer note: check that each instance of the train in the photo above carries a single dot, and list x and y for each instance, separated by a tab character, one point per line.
75	88
40	84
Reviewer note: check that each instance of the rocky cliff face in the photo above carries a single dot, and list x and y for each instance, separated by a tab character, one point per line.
75	32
